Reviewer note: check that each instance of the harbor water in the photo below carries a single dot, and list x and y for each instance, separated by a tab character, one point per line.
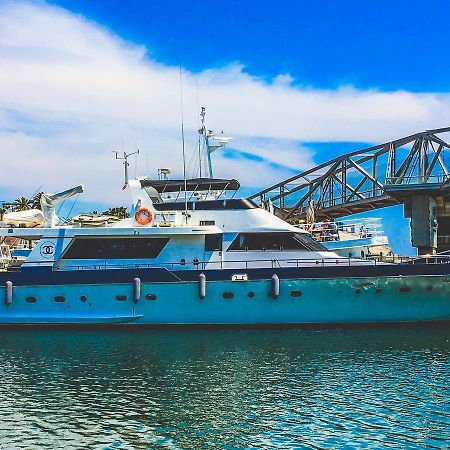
225	389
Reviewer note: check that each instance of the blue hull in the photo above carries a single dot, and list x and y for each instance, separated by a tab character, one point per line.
370	299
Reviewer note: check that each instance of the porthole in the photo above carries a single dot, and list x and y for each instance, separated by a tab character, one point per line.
429	288
404	289
59	299
150	297
296	293
30	299
227	295
121	298
377	291
250	294
357	291
83	298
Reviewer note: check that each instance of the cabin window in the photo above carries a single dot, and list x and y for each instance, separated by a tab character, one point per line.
213	242
115	248
275	242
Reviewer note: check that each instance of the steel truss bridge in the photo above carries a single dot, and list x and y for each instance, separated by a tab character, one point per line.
383	175
359	181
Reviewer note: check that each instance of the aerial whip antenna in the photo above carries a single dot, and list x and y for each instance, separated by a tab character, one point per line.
183	148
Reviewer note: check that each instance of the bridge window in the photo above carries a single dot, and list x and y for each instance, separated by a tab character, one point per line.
213	242
275	242
115	248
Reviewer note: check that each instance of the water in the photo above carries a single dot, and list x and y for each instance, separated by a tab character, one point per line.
194	389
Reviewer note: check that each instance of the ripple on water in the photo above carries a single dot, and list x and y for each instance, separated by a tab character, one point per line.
225	389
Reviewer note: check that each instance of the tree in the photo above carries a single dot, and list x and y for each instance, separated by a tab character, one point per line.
21	204
120	212
36	201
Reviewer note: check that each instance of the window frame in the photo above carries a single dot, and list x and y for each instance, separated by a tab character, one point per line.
209	242
119	247
304	240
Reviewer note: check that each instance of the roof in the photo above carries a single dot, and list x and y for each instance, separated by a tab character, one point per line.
193	184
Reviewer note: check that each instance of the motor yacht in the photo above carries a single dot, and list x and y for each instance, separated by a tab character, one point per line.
192	253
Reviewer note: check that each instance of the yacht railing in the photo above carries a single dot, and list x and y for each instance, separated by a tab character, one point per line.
360	228
439	258
233	264
261	263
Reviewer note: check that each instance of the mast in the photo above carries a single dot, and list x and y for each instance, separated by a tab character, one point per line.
210	140
125	163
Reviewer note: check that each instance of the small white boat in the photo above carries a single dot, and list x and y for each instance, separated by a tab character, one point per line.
29	218
353	238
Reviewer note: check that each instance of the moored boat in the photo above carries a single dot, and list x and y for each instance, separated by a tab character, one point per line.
208	262
190	254
363	237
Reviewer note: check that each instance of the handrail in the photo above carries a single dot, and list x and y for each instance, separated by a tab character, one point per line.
231	264
418	179
257	263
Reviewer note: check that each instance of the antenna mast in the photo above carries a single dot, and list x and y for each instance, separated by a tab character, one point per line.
125	163
183	147
211	141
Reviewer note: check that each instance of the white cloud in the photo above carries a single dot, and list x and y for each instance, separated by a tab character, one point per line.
72	90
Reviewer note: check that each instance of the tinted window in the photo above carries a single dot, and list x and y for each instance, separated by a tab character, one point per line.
207	205
213	242
115	248
275	242
309	243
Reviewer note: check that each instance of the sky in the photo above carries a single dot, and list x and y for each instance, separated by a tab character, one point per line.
293	82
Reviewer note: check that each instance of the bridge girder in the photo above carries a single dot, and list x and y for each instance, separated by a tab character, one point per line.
366	179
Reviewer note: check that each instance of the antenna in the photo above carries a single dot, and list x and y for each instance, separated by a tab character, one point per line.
163	172
125	163
211	141
198	127
184	155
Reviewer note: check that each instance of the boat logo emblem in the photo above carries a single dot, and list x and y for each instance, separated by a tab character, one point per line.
47	249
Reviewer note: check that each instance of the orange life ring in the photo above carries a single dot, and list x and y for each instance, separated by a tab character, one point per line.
143	216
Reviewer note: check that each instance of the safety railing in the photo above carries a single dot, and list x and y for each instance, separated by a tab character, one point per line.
255	263
439	258
424	179
228	264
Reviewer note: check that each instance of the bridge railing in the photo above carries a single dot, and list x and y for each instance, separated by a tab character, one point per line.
431	179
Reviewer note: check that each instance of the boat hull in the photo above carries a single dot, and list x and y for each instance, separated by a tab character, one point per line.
301	300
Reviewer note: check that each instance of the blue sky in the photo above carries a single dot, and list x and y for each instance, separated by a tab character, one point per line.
294	82
383	44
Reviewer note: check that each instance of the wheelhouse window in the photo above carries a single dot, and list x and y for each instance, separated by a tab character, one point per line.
213	242
115	248
275	242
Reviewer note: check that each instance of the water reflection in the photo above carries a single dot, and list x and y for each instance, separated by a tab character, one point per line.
224	389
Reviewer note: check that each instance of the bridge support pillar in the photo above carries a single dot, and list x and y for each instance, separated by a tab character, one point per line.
443	218
421	209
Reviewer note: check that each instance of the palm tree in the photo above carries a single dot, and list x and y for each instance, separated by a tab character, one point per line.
21	204
120	212
36	201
